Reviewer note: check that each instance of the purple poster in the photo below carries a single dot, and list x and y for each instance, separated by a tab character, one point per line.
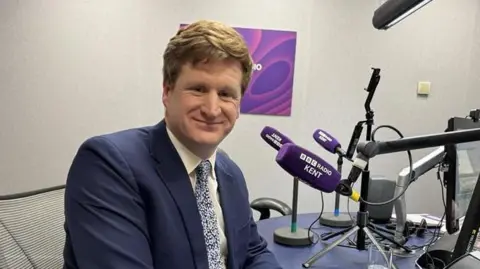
271	87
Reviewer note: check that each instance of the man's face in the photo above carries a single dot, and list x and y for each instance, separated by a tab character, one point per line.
203	105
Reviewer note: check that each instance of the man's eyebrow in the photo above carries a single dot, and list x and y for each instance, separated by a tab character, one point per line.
196	84
231	88
228	88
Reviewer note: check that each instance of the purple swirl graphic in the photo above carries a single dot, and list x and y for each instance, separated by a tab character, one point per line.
271	87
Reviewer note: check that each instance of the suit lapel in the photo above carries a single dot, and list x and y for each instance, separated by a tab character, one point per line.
174	175
226	186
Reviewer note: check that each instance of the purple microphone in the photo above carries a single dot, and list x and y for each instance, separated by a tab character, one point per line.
328	142
308	168
274	138
292	236
332	145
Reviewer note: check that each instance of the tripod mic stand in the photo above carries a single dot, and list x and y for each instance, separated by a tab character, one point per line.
363	227
337	219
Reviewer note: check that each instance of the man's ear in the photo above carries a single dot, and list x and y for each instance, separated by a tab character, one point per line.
166	93
238	110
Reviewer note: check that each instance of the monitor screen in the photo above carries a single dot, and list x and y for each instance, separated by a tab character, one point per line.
468	169
463	170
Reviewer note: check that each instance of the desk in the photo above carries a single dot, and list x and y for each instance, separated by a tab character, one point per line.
339	257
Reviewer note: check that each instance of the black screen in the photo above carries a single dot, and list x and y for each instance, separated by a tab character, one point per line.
463	170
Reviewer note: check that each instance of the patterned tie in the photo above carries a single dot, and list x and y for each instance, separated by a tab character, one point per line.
207	213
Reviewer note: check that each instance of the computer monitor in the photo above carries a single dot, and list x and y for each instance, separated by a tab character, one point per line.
463	162
468	238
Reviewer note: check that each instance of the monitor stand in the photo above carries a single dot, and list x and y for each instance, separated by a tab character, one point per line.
451	247
439	253
469	231
434	259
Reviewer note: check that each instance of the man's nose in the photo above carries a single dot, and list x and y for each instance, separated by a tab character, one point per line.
211	106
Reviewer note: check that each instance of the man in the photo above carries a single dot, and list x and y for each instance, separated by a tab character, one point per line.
161	197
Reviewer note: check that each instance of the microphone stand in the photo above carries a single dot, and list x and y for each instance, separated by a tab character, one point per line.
293	236
363	227
337	219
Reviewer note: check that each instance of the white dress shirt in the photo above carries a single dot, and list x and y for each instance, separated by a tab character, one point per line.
191	161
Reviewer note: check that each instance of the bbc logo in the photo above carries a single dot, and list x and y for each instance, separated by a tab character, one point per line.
308	160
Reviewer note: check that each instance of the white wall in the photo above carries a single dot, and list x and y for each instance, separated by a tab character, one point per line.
73	69
474	96
434	44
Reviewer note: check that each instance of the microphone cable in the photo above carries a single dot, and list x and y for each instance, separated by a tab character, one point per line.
410	161
310	228
436	235
439	225
436	232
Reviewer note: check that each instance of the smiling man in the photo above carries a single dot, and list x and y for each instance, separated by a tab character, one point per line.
162	197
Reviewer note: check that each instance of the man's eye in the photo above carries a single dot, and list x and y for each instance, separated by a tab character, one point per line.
228	95
197	89
225	94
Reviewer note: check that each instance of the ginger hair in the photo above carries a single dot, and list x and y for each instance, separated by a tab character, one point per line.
203	41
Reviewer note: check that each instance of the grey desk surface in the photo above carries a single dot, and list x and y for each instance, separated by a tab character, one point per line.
339	257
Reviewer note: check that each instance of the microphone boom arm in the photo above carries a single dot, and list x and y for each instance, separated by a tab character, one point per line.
370	149
404	179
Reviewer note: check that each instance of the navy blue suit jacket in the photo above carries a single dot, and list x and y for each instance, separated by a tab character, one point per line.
129	204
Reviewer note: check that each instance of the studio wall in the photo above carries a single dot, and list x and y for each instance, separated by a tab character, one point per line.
71	70
474	96
423	47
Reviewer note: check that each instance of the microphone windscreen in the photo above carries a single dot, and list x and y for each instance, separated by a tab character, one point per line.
326	140
274	138
308	168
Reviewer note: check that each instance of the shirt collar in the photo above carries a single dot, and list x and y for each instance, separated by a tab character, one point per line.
190	160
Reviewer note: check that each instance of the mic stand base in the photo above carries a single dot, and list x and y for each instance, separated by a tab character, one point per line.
337	219
342	220
375	229
396	251
285	236
367	231
293	236
362	224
